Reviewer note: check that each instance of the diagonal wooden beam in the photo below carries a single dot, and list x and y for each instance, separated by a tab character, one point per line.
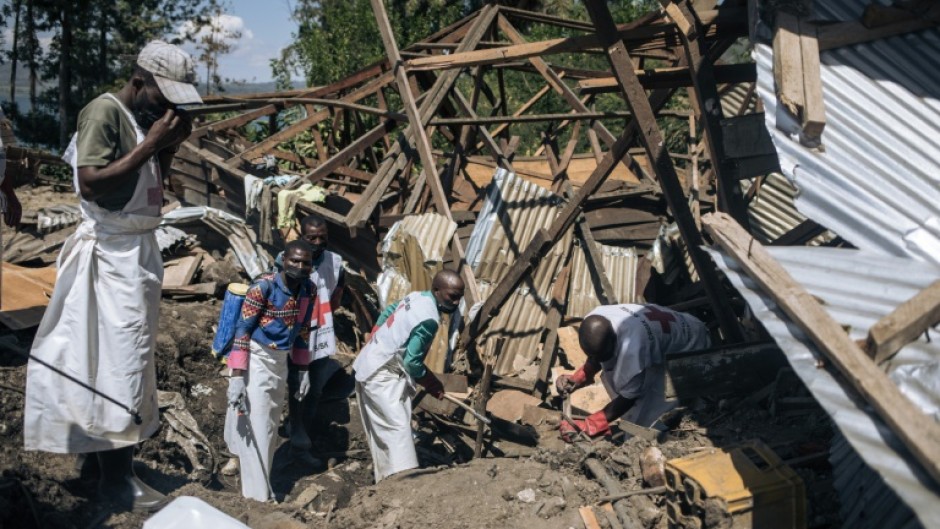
423	144
397	157
652	140
905	323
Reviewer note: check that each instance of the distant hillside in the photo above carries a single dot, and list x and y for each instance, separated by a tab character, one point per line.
22	86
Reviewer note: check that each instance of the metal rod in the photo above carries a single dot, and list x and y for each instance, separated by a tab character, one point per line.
128	409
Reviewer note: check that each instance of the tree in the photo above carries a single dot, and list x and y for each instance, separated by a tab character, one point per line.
214	35
92	50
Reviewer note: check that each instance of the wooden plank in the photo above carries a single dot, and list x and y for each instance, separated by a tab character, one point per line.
814	108
552	321
675	76
355	147
530	118
200	290
905	323
919	433
849	33
588	517
24	294
634	32
652	140
179	272
788	63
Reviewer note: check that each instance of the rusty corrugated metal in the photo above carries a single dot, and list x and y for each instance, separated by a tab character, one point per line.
773	213
620	269
513	212
412	252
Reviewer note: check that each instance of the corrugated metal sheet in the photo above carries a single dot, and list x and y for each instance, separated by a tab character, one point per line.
514	210
733	98
412	252
858	288
865	501
620	269
877	183
773	213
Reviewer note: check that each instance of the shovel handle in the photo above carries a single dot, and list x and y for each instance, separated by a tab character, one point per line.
462	404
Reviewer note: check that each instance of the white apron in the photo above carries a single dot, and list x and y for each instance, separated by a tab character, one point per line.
100	327
384	401
325	278
266	385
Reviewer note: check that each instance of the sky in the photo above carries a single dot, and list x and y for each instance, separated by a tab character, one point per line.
266	28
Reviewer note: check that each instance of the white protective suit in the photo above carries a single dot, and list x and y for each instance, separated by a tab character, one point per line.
252	437
384	388
645	335
100	327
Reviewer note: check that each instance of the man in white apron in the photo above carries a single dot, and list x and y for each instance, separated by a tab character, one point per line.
628	344
327	277
392	362
101	323
274	324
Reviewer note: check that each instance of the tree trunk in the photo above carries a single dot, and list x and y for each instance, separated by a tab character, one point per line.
15	53
65	75
31	52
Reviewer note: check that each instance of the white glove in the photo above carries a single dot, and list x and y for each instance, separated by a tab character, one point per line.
236	392
304	387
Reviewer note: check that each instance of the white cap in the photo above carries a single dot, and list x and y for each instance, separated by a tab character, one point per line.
173	69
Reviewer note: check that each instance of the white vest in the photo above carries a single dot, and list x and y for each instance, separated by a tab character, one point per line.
645	334
392	336
325	278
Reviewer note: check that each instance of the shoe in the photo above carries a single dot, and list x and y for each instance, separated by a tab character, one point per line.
231	468
120	486
304	457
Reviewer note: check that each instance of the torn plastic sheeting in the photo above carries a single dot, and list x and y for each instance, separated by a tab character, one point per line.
241	237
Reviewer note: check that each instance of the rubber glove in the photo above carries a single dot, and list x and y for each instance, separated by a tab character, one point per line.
594	425
237	393
304	386
584	375
432	385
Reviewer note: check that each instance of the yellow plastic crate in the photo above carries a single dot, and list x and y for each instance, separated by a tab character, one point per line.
747	486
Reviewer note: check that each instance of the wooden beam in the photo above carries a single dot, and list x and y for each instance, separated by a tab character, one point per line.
855	32
530	118
905	323
361	143
652	140
636	33
674	76
788	63
813	116
423	144
397	157
919	433
700	59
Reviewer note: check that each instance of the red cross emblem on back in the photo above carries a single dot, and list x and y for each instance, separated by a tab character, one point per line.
664	318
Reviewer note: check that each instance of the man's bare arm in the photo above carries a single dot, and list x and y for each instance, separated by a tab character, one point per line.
94	182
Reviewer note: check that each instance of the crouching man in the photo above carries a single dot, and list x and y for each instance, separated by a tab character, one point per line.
628	345
390	364
275	323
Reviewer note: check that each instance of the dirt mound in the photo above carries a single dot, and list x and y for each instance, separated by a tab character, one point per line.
496	493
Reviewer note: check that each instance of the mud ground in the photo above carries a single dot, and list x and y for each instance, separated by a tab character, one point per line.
536	487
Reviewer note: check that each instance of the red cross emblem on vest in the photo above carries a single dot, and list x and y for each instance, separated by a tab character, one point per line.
654	314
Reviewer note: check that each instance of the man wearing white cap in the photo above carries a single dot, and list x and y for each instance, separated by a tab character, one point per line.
101	323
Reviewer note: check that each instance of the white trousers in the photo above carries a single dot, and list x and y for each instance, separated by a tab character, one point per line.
385	408
652	404
252	436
